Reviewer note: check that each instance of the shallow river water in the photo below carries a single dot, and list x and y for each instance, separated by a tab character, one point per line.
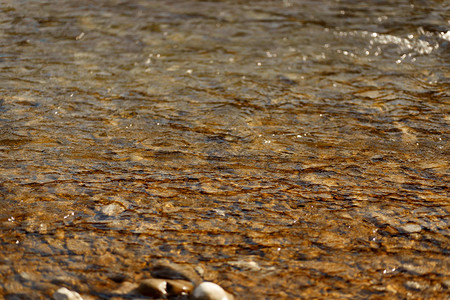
287	149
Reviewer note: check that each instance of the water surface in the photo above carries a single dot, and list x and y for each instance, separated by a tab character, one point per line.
307	138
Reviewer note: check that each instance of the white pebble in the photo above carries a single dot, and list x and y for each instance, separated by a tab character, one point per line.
410	228
210	291
65	294
112	209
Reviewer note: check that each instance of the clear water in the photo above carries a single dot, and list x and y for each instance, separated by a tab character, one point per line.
307	138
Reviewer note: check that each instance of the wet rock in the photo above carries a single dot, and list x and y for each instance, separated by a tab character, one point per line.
34	225
12	287
116	277
414	285
66	294
168	270
199	270
62	279
179	287
126	288
43	249
245	265
286	80
106	259
153	287
78	246
29	276
415	269
410	228
112	209
157	287
210	291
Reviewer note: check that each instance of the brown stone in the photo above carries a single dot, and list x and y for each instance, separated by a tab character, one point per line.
153	287
126	288
168	270
179	287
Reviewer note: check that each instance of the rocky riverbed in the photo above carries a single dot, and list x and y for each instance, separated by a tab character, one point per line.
279	149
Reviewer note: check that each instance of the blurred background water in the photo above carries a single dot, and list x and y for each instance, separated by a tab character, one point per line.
291	149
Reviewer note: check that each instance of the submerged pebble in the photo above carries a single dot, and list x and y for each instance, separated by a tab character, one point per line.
245	265
414	285
66	294
112	209
410	228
